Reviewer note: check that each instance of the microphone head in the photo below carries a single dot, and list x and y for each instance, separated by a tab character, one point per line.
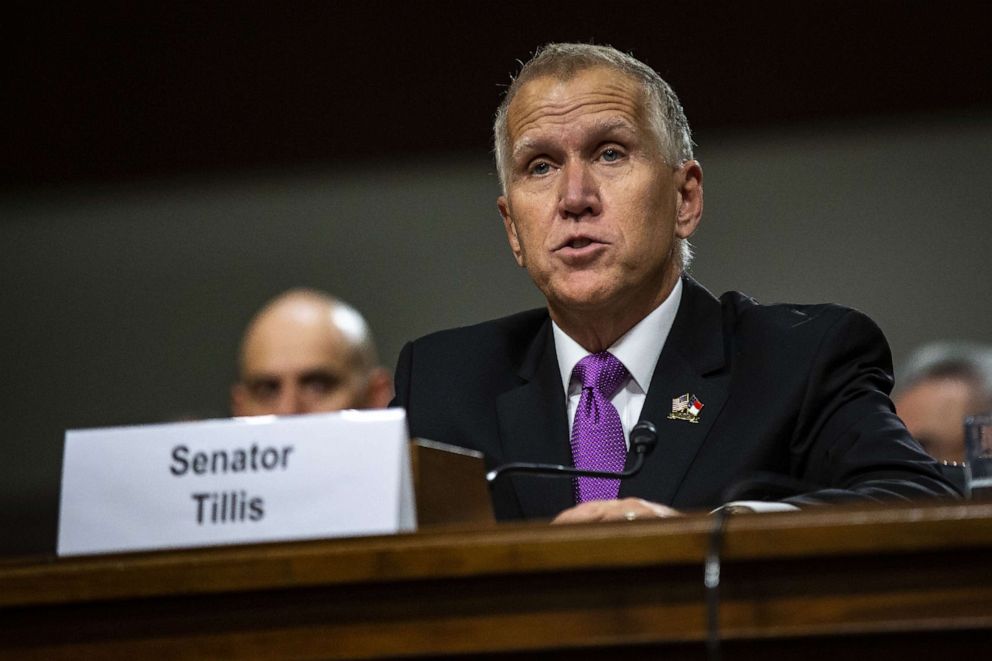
643	437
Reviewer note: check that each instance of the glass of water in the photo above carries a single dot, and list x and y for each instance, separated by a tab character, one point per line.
978	450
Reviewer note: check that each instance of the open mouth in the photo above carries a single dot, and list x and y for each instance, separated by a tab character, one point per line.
580	250
578	243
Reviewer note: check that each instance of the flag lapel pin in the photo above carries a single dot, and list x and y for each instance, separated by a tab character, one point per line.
686	407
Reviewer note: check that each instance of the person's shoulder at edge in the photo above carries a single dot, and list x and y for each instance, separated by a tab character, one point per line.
792	330
746	314
785	314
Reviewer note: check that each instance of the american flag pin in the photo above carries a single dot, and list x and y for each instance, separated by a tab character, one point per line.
686	407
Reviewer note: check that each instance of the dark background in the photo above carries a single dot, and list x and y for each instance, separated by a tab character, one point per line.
112	91
167	167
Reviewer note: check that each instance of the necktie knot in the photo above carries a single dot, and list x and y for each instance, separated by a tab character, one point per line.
602	372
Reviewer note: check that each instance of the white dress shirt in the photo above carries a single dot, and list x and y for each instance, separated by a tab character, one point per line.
638	349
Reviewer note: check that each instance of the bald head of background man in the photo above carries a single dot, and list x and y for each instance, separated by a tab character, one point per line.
307	352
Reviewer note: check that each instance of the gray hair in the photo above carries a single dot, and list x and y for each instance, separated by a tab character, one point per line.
563	61
966	361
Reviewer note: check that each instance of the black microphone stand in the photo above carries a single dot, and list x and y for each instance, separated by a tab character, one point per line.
643	438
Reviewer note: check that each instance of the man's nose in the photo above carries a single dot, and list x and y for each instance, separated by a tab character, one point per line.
291	401
578	194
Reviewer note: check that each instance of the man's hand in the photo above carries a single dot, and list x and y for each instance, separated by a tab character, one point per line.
627	509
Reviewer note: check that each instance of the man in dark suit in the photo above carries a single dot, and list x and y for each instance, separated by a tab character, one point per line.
601	193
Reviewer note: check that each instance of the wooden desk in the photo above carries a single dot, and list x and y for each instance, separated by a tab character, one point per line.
832	584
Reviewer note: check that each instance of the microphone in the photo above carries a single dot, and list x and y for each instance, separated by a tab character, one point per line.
643	438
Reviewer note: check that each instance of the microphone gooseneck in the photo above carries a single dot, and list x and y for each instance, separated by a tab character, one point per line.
643	438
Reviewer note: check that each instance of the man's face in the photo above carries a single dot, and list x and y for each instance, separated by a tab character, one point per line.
591	208
934	411
296	361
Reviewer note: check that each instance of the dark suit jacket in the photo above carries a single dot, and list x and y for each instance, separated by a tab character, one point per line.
794	390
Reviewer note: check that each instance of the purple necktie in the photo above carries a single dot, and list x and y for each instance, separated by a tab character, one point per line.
597	435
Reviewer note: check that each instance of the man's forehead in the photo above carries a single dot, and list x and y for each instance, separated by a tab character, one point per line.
295	372
292	347
616	127
612	96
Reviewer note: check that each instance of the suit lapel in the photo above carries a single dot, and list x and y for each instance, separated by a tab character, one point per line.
691	362
533	428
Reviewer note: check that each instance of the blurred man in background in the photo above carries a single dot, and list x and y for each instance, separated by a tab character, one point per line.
307	352
940	385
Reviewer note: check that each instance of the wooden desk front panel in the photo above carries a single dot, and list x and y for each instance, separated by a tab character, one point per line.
876	577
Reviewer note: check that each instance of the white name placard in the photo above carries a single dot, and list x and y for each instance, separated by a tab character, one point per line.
235	481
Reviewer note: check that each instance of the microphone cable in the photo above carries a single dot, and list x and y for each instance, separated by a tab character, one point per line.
643	438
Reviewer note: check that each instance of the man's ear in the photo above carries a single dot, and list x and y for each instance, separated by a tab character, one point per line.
511	229
238	395
689	182
380	391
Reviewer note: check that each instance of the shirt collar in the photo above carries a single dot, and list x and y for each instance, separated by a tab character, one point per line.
638	349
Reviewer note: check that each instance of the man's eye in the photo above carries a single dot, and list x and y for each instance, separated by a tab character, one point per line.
610	155
540	167
264	389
